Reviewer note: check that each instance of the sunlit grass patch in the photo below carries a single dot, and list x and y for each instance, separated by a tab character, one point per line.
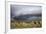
23	24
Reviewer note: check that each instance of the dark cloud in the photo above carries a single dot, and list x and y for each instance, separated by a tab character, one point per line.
17	10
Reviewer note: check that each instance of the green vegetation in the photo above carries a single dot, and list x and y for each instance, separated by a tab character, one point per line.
24	24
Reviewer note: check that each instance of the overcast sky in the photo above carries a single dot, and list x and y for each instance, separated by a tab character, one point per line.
17	10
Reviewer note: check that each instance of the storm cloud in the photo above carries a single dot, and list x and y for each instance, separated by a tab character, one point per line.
25	9
17	10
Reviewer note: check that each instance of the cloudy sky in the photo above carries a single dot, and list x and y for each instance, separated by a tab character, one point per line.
18	10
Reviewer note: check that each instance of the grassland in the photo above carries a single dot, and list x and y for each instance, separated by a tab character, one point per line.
24	24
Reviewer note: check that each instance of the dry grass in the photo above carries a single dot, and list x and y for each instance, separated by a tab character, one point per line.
23	24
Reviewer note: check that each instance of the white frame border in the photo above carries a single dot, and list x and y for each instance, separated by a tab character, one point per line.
7	28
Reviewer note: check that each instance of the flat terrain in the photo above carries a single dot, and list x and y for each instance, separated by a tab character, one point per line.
24	24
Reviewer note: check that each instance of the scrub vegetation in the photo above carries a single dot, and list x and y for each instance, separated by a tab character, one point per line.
26	24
